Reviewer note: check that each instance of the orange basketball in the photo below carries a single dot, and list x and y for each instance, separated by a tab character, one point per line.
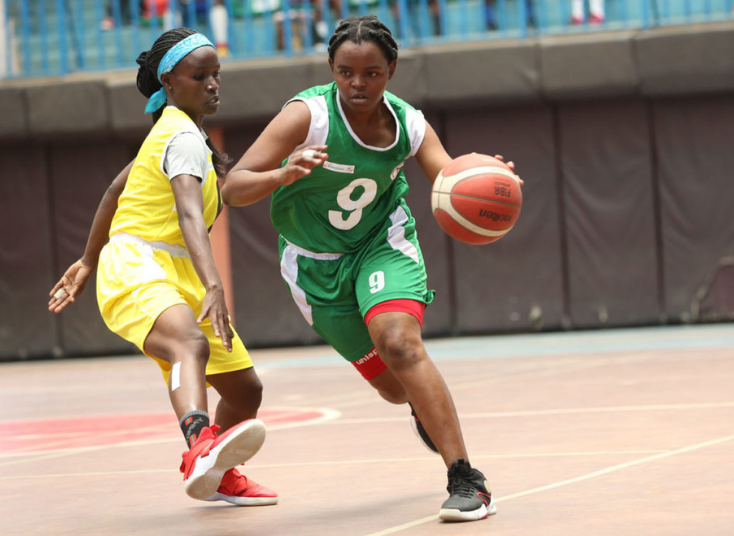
476	198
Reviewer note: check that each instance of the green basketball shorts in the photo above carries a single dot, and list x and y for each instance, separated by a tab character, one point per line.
334	291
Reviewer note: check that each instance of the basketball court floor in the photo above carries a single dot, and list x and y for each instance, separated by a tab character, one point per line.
617	432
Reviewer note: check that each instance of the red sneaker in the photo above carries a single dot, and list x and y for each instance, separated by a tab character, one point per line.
237	489
211	456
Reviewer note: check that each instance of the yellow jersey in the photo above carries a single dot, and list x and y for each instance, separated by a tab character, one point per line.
147	207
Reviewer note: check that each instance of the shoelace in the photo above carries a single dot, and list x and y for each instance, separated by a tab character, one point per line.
459	486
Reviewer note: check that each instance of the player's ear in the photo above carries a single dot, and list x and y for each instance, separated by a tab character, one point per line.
166	79
391	68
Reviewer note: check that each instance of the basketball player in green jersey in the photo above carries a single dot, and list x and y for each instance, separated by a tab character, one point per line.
333	161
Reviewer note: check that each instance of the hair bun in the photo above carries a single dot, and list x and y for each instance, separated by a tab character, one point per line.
143	59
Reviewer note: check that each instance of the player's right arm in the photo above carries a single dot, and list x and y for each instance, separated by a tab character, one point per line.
258	173
75	278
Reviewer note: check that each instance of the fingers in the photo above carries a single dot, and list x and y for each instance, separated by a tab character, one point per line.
60	294
227	335
60	298
57	286
223	330
56	305
510	165
220	326
314	155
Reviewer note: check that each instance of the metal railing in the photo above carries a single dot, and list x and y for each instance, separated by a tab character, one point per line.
57	37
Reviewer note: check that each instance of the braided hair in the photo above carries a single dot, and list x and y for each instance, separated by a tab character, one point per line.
364	29
148	83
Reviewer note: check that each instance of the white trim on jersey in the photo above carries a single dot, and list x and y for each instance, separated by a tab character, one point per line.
356	138
416	125
318	130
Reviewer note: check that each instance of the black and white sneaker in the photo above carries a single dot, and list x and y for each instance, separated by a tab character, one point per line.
415	424
469	496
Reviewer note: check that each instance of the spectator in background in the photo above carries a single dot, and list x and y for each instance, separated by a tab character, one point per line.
124	13
596	12
297	16
219	21
414	14
490	15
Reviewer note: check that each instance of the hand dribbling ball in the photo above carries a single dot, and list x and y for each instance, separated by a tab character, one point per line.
476	199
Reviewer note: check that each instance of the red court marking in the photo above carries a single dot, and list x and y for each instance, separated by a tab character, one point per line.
100	430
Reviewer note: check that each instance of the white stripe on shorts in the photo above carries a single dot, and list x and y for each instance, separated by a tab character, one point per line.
289	271
396	234
174	249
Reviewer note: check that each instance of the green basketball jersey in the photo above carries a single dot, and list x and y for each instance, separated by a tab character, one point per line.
337	207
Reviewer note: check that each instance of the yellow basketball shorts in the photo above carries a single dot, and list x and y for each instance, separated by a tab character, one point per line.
137	280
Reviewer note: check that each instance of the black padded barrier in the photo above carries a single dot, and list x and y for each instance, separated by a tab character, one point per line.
516	282
610	213
695	160
80	174
27	328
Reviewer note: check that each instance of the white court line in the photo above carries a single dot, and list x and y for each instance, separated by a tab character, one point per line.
560	411
562	483
331	417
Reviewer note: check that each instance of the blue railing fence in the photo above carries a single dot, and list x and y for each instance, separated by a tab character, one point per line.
57	37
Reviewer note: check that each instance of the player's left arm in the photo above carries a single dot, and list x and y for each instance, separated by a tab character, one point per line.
432	156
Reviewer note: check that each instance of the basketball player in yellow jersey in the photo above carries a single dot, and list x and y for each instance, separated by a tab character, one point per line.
157	284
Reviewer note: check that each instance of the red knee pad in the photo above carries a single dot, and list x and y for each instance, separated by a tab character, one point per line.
370	366
412	307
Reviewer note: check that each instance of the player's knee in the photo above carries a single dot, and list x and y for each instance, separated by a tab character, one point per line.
401	349
194	345
242	393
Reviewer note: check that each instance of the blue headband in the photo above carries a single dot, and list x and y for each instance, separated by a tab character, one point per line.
175	54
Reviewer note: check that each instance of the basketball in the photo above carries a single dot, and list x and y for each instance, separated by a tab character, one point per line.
476	199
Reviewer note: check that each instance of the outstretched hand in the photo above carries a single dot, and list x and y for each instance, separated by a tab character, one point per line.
69	286
215	309
301	163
